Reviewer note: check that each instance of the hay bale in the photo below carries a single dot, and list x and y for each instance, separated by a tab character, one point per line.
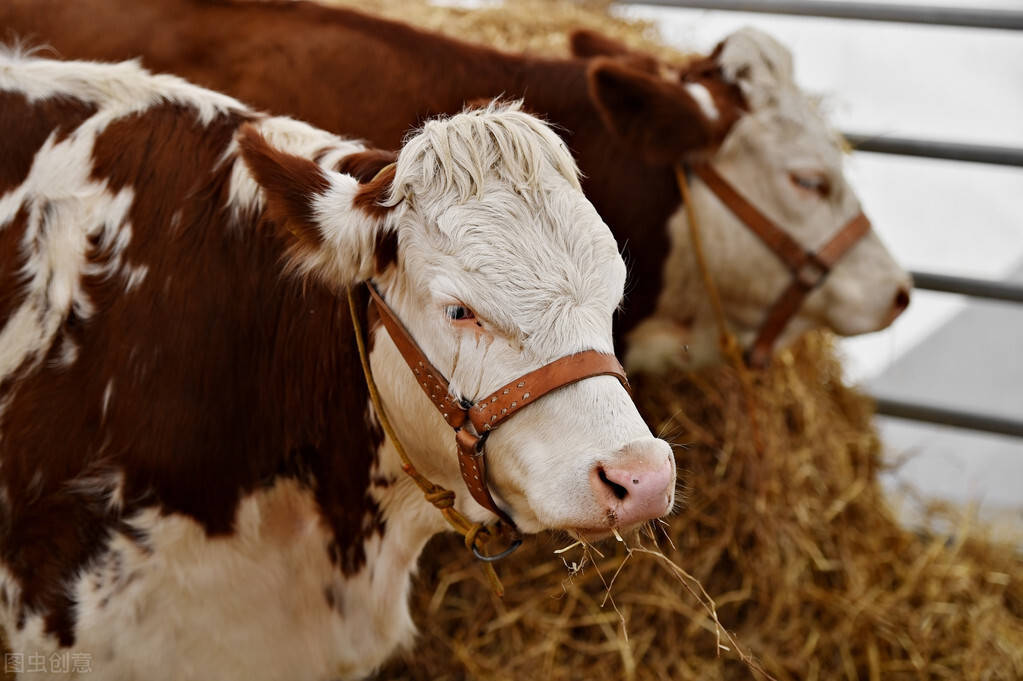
796	545
784	522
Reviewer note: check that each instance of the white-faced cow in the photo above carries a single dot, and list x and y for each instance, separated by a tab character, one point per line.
193	482
628	119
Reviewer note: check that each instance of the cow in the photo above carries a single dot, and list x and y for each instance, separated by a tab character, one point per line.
194	483
628	118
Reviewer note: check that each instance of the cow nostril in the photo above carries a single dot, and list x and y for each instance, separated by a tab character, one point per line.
619	491
901	300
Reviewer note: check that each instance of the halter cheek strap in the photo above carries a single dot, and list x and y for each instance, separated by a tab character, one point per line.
809	269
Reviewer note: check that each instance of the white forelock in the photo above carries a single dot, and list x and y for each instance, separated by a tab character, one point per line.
453	157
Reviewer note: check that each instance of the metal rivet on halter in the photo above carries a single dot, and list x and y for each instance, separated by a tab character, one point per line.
526	396
512	404
522	384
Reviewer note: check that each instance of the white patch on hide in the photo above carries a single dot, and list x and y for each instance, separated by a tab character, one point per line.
252	605
108	392
123	87
66	208
702	96
133	276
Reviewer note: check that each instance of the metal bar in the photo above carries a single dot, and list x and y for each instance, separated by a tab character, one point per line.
978	288
948	417
951	151
868	11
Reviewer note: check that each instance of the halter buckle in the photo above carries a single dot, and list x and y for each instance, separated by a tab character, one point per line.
811	273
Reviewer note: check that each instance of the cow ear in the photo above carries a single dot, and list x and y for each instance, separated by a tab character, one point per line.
332	225
660	118
366	165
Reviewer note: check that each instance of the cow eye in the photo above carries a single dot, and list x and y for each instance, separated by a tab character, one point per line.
812	182
459	312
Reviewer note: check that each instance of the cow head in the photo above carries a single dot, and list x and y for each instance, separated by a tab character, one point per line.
741	111
480	239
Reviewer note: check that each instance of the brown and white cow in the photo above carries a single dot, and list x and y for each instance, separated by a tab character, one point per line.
627	118
193	484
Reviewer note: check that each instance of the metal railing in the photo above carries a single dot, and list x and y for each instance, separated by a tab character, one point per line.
955	418
977	288
953	151
867	11
948	151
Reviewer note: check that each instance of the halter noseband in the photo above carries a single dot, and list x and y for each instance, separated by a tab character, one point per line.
471	421
808	268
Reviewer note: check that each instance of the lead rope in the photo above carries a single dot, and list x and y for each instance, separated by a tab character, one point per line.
727	341
443	499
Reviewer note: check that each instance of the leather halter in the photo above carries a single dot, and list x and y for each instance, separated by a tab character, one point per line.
471	421
808	268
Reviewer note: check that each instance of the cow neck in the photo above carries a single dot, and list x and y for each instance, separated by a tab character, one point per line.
472	421
808	268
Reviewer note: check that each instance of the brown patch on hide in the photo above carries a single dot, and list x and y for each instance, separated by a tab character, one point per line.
27	124
385	253
11	262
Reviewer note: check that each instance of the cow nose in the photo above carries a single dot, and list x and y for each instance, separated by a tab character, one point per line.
637	483
899	304
901	301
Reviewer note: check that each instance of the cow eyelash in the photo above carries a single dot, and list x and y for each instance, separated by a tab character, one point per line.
812	183
459	313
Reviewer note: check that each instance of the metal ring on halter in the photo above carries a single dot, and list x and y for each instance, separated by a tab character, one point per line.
516	543
482	441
